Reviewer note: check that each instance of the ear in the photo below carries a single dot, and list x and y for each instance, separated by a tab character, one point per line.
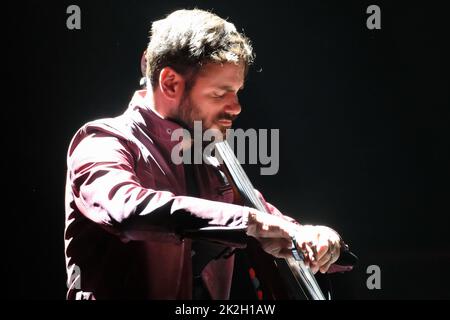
144	81
171	84
144	63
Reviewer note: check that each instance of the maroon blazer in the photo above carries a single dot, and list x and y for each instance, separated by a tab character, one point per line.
129	220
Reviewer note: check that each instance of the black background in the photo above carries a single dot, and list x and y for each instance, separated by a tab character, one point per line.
363	118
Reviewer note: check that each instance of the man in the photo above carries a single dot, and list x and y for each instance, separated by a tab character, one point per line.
140	226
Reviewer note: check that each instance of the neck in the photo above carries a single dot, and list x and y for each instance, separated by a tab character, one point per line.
152	104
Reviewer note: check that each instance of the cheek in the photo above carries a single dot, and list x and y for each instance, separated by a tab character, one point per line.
207	109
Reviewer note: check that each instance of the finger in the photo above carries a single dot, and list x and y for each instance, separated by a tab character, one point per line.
322	246
304	252
336	254
333	256
313	247
314	268
309	252
325	258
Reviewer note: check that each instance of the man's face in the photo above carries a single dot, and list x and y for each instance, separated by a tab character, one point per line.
213	99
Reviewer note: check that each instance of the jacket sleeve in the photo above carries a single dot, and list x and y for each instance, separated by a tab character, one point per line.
107	191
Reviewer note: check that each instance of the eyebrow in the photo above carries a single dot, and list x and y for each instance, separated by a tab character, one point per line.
230	88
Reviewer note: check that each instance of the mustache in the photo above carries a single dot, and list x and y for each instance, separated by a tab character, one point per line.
227	116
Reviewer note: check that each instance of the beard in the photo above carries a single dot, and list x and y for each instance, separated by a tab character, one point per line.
189	111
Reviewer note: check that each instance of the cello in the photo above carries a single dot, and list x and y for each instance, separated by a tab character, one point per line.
280	278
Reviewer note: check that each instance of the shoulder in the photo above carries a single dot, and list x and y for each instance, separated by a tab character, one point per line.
119	127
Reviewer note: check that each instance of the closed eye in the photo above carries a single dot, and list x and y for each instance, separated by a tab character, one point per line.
218	95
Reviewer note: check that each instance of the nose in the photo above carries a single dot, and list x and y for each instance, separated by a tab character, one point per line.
233	107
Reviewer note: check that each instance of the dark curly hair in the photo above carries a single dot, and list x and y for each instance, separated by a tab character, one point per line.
187	39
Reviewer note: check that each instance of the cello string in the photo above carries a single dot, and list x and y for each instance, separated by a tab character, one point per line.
233	167
241	175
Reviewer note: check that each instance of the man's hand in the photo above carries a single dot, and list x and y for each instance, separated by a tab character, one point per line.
320	245
273	232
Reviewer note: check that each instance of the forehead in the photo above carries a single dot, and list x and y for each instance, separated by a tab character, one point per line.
221	74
